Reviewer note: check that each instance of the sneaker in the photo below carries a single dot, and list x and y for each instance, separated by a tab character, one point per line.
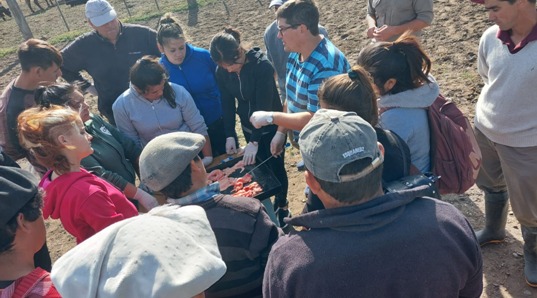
300	165
281	213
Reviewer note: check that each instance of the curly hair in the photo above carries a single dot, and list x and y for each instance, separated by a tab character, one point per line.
39	129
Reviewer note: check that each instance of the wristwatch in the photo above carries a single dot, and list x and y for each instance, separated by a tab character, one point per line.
270	118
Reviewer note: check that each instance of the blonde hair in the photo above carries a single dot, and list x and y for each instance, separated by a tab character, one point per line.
39	129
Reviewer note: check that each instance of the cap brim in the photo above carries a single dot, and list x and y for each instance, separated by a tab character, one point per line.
103	19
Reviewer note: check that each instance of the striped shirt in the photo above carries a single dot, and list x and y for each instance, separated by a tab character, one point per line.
304	78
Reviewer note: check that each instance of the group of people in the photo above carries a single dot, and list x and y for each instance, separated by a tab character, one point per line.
169	107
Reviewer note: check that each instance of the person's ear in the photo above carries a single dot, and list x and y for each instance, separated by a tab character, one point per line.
313	184
63	140
196	165
389	84
160	47
22	223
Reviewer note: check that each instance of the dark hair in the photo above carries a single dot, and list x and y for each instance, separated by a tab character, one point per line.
351	92
356	190
56	94
181	184
403	60
226	46
38	53
147	71
31	212
168	27
299	12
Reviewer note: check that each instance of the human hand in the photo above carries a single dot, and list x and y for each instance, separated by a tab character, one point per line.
91	90
231	146
145	199
384	33
261	118
369	32
277	143
249	153
207	160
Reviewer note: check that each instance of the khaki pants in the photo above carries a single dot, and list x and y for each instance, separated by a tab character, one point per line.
511	169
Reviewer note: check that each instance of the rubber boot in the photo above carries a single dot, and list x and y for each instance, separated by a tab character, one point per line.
496	205
530	255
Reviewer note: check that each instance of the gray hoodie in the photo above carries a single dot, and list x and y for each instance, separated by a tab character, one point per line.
407	117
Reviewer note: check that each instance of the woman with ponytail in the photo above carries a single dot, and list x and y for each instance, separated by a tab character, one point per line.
153	106
400	72
353	92
192	68
83	202
114	157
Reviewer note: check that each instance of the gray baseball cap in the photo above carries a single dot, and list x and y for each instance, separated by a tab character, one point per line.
333	139
165	157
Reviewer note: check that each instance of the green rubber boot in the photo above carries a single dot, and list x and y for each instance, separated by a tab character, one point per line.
496	205
530	255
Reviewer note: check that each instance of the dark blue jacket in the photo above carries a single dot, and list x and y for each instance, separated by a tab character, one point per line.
197	75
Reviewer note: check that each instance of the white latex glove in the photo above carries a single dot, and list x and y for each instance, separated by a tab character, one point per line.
145	199
207	160
249	154
231	145
277	143
91	90
260	118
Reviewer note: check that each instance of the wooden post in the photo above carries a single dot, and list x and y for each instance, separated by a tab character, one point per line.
61	14
127	7
20	19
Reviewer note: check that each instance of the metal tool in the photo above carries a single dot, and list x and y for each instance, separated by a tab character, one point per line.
264	161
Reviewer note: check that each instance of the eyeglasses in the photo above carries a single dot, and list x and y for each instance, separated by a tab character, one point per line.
282	30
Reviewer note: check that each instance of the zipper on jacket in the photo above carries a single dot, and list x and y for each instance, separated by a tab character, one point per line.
156	116
242	95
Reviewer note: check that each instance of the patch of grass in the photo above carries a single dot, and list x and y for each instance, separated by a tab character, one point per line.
66	37
7	51
153	15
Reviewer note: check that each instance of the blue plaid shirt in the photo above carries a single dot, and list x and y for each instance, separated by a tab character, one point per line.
199	196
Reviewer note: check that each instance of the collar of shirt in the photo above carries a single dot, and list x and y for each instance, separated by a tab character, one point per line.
505	37
201	195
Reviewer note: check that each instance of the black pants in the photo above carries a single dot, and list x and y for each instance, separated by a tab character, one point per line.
42	258
217	136
277	165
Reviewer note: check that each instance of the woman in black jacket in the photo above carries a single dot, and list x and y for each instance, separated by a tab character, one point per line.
246	81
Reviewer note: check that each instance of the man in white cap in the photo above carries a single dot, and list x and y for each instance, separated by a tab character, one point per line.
245	234
107	54
169	252
365	242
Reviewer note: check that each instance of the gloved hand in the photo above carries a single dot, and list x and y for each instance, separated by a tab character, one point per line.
249	153
260	118
277	143
231	146
207	160
145	199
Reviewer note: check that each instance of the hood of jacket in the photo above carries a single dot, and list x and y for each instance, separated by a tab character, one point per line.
58	190
256	55
368	216
421	97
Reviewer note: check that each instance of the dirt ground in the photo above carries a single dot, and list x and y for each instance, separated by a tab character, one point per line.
451	42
